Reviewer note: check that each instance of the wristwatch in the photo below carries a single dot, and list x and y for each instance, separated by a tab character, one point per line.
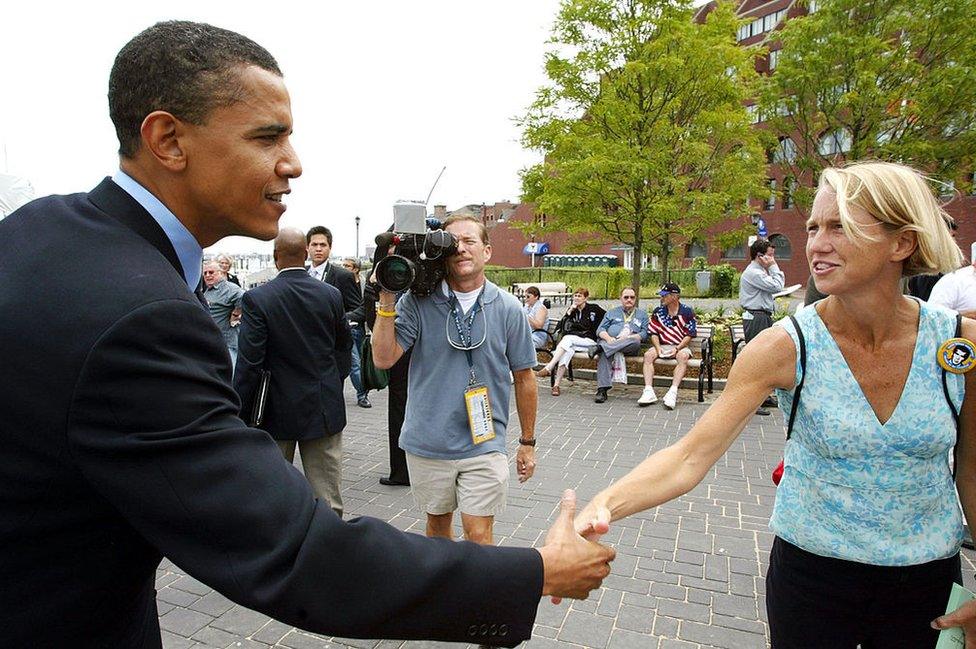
527	442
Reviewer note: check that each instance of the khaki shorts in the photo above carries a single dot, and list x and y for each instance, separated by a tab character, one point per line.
477	486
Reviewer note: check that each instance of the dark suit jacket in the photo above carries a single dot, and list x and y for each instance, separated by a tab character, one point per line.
342	279
121	443
294	326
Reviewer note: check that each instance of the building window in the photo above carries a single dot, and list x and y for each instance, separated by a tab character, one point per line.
785	152
754	115
771	200
812	6
756	27
774	59
735	252
744	32
838	141
697	249
789	189
783	248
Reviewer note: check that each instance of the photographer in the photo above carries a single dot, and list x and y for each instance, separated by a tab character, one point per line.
464	340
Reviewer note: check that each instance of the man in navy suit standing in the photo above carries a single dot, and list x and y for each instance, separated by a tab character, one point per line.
120	428
294	327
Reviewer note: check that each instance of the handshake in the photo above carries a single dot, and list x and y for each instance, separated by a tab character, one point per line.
574	563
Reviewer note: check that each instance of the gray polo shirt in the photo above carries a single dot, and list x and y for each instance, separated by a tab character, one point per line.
436	421
223	297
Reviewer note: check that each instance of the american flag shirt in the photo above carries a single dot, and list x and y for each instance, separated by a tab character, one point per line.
672	330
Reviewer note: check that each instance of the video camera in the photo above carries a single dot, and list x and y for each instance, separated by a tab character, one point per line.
421	248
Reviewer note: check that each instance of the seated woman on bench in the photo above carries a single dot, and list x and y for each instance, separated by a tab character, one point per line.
579	327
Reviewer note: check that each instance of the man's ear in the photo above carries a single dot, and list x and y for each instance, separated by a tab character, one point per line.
161	133
487	253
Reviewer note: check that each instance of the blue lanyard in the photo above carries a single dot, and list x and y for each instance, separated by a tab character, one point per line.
464	326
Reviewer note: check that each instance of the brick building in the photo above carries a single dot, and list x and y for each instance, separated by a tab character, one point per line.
508	241
784	221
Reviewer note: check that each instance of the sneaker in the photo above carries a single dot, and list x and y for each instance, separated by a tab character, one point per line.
363	402
762	412
647	397
671	398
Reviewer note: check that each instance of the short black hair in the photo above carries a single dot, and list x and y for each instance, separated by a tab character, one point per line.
182	67
961	348
759	247
319	229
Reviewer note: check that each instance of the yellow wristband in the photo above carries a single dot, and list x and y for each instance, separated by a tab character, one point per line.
386	314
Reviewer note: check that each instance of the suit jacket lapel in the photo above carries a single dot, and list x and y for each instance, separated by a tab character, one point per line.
327	275
116	202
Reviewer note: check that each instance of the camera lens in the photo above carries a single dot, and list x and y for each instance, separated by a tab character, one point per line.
395	273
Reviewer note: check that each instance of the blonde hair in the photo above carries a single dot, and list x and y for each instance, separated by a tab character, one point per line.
901	199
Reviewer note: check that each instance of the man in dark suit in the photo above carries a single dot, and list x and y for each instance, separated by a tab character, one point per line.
294	328
319	243
119	424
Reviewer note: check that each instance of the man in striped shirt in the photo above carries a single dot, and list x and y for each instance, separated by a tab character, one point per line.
672	328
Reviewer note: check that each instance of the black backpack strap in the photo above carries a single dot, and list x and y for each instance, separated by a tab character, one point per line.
952	406
803	376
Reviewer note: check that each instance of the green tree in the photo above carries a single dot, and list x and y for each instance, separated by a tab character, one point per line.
642	125
885	79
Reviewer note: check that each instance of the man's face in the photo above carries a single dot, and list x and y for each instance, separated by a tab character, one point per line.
958	356
212	274
239	162
472	254
319	249
669	299
628	299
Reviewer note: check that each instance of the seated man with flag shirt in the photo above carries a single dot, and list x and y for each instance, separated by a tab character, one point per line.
672	328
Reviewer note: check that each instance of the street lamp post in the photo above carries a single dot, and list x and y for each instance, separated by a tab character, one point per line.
357	237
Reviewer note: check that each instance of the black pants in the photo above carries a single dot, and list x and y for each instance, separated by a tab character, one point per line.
396	409
761	320
816	602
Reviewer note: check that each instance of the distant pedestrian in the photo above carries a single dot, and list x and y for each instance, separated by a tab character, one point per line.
224	300
537	314
226	263
760	281
295	328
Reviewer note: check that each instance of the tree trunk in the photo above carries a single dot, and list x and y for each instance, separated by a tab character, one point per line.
665	258
635	275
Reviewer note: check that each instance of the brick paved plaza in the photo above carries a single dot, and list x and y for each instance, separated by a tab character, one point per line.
687	575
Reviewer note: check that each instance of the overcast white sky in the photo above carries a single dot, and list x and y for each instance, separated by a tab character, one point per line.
384	94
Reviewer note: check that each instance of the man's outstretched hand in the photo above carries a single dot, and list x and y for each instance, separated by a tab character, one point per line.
573	565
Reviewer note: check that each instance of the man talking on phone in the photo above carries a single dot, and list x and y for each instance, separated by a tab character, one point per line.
760	281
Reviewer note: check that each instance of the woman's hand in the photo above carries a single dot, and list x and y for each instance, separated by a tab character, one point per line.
964	616
593	522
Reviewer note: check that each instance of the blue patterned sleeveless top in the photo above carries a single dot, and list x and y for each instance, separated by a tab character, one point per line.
858	490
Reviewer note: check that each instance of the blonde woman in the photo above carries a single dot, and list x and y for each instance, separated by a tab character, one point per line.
867	521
